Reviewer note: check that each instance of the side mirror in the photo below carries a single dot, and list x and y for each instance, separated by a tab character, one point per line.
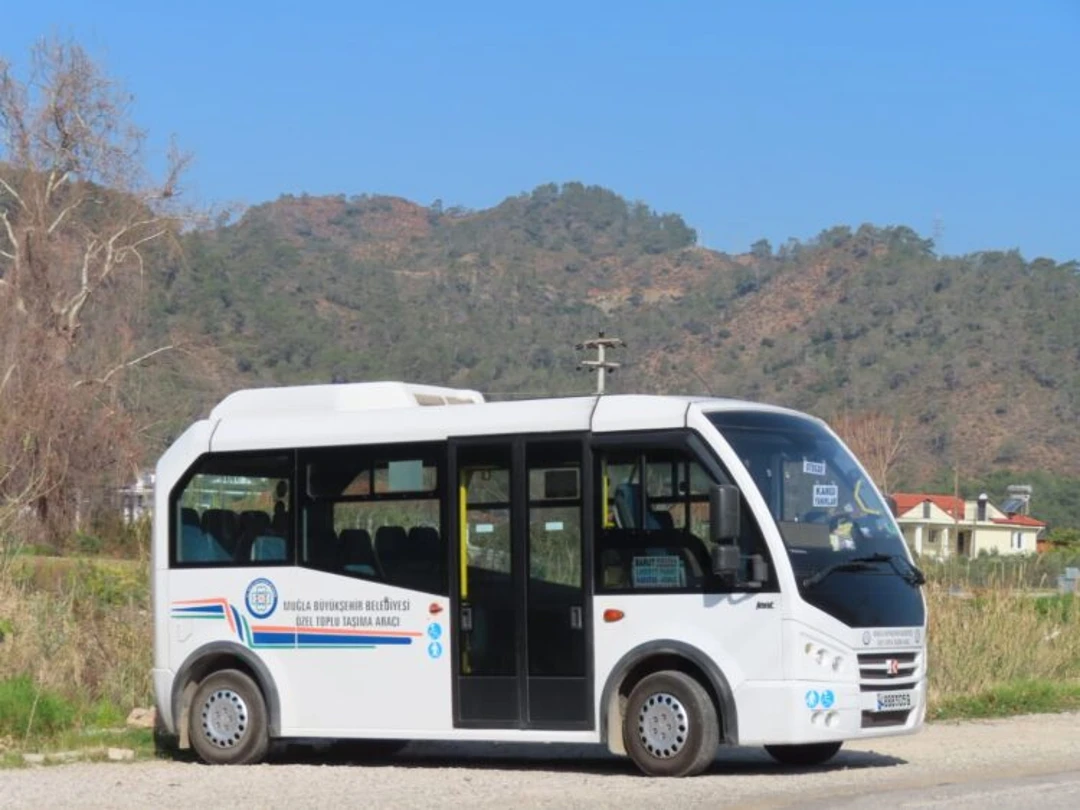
724	528
724	516
725	561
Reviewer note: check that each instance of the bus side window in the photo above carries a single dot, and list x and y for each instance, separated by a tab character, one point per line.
234	510
375	513
655	522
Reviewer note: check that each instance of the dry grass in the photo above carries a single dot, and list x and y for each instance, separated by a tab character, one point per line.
79	629
985	639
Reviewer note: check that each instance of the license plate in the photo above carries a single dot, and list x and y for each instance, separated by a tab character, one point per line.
893	701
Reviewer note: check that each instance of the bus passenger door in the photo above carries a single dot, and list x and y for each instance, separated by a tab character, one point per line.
521	609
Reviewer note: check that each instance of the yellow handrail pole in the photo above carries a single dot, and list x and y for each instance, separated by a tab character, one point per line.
463	538
606	522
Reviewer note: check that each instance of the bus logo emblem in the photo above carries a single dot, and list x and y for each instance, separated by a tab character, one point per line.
261	598
892	666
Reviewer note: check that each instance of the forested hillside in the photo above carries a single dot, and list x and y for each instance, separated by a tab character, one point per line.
977	356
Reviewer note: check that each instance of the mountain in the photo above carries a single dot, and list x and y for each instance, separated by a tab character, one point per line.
977	356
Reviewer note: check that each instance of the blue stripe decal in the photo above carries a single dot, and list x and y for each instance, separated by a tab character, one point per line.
273	638
239	624
215	609
345	641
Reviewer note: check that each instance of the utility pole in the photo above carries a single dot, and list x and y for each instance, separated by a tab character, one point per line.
601	364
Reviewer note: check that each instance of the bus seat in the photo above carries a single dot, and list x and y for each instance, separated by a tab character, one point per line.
424	543
254	522
358	557
197	546
268	548
425	564
627	500
190	517
221	525
392	551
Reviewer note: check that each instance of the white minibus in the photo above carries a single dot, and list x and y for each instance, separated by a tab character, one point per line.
661	575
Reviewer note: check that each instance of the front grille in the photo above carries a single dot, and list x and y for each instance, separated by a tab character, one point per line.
874	667
882	719
890	686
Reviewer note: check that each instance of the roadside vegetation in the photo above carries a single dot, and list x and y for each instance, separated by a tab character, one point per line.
76	652
997	650
75	647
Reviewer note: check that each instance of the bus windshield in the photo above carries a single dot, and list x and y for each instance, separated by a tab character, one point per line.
834	524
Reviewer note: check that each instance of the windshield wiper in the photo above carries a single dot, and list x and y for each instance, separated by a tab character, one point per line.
858	564
911	575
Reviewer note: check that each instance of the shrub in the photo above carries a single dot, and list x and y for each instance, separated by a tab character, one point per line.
27	709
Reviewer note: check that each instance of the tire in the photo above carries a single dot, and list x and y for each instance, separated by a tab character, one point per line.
227	720
809	754
670	725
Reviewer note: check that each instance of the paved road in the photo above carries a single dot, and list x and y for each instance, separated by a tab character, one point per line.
1017	763
1057	791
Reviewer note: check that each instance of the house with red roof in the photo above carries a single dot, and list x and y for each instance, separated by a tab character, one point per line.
945	526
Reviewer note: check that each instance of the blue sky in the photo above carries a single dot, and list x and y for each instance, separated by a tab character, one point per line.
751	119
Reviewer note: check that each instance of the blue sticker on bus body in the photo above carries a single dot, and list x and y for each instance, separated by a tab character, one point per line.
434	631
434	649
827	699
261	598
812	699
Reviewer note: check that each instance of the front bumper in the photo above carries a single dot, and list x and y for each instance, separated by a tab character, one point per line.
796	712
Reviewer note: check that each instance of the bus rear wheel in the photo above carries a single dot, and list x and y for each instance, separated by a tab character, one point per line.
809	754
227	720
670	726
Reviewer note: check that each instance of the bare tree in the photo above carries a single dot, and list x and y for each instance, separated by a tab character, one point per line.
877	439
80	215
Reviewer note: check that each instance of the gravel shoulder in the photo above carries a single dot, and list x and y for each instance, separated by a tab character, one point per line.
537	776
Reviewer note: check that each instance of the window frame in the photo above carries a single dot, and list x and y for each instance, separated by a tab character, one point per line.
699	450
373	454
182	484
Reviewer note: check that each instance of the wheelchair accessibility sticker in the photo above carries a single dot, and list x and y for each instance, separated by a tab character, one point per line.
434	649
812	699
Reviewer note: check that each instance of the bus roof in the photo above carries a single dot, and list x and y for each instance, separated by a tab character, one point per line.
322	415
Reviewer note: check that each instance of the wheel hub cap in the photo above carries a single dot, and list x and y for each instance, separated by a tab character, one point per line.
663	725
225	718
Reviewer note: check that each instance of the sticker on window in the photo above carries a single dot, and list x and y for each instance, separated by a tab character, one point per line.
553	526
666	571
813	467
826	496
485	528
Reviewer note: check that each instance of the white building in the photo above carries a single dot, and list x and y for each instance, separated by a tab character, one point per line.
943	526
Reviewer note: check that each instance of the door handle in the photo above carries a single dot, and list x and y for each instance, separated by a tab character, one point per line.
466	618
576	622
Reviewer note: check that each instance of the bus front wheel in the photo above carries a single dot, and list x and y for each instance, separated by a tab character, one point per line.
227	720
808	754
670	726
